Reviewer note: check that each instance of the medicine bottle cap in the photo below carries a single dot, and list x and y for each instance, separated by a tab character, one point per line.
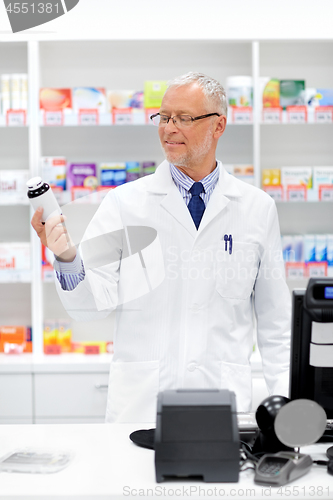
34	183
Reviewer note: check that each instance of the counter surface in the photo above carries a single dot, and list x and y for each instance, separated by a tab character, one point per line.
108	465
71	363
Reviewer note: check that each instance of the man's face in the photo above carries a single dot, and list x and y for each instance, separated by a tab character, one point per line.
188	146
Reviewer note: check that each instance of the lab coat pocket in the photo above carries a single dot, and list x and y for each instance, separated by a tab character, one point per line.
133	389
237	378
237	271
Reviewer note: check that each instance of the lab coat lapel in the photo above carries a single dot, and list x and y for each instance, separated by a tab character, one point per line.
172	202
225	189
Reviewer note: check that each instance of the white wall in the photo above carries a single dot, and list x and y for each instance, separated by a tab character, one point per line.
185	19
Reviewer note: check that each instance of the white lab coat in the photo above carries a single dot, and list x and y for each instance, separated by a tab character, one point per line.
185	318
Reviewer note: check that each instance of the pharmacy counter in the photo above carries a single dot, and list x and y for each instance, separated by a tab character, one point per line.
69	388
107	464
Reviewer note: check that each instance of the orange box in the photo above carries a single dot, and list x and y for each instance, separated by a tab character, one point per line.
52	99
13	334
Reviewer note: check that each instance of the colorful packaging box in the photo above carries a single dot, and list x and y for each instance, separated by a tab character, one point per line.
15	339
15	256
50	332
330	255
89	347
293	248
244	173
148	167
153	93
296	176
292	93
54	171
287	248
298	247
13	186
13	334
271	177
121	99
89	98
112	174
321	248
51	99
321	176
81	174
309	248
271	94
132	170
319	97
64	337
239	91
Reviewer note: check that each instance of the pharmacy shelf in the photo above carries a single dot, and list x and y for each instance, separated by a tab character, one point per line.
121	64
313	116
12	276
10	200
55	119
3	123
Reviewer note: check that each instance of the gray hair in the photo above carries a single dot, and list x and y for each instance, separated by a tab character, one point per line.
212	89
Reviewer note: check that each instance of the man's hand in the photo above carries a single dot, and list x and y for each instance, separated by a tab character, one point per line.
53	234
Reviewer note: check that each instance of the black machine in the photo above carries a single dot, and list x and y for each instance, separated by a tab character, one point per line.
311	370
197	435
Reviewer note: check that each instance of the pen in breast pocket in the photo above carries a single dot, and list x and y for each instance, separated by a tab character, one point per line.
228	239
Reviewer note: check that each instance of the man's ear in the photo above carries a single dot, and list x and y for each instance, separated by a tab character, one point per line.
220	125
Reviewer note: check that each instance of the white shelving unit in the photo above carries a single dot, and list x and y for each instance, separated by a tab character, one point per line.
120	64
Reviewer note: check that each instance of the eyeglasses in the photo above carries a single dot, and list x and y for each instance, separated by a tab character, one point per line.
180	121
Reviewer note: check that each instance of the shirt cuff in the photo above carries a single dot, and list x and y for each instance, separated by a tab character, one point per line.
74	267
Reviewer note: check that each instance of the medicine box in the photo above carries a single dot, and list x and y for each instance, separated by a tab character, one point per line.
122	99
112	173
292	93
15	256
271	177
13	187
15	339
132	170
271	94
153	93
322	176
148	167
81	174
52	99
296	176
54	171
89	98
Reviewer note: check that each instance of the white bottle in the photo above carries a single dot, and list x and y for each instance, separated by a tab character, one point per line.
41	195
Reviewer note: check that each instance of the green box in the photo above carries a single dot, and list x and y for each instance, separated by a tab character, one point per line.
153	93
291	93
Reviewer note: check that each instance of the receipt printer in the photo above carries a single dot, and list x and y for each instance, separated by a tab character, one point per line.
197	435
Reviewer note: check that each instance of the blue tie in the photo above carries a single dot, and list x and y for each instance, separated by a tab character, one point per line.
196	205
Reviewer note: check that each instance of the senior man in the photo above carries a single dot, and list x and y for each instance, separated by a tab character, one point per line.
211	267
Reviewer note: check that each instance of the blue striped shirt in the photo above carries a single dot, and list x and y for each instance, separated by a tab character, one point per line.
184	183
70	274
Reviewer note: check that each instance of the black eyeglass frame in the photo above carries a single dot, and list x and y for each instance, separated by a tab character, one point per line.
192	119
